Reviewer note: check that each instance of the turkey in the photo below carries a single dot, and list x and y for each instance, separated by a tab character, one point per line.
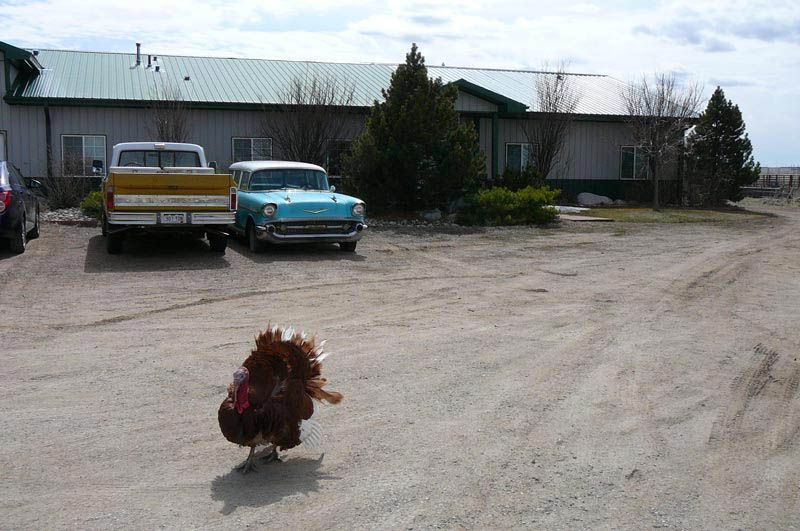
270	400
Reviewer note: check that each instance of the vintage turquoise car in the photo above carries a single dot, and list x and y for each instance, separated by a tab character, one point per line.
291	202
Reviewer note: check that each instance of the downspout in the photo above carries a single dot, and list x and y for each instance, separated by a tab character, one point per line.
495	146
48	137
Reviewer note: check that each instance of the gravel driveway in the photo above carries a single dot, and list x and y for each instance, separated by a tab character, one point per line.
586	376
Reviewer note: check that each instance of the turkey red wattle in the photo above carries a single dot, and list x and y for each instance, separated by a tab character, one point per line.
240	397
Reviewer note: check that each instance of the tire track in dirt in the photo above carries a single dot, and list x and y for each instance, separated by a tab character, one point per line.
262	292
774	431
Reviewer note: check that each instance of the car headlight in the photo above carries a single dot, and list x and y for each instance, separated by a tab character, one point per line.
359	209
269	210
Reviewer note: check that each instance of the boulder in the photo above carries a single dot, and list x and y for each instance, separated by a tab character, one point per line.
431	215
589	199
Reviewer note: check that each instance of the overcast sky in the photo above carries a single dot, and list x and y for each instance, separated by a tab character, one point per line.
749	47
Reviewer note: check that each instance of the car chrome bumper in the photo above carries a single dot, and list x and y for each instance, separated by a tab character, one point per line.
268	233
153	218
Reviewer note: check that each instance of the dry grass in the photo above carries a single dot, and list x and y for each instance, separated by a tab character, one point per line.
671	215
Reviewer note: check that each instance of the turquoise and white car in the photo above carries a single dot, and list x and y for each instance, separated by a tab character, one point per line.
291	202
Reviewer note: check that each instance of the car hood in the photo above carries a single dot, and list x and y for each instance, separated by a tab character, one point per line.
302	204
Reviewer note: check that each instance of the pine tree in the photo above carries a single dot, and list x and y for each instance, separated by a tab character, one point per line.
414	154
720	156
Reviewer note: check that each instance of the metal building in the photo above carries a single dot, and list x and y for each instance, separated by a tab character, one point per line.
60	106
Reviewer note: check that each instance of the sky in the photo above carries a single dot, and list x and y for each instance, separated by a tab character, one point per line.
751	48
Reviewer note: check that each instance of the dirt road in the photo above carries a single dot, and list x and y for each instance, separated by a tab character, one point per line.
610	375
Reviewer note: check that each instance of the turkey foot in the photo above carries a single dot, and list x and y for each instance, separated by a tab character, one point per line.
249	463
272	456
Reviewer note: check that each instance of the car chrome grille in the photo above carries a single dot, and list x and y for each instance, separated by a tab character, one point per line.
332	227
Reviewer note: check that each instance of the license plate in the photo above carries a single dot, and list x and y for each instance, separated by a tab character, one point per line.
174	219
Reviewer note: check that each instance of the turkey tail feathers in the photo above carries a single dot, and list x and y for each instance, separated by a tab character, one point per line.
303	356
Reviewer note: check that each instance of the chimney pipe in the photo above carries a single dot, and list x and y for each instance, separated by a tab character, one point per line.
149	62
138	53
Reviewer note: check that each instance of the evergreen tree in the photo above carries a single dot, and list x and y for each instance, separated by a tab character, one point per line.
414	154
719	157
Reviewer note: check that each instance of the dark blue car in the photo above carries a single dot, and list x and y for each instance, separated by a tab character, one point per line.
19	208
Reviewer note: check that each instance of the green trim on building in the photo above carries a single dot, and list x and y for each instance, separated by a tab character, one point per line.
504	104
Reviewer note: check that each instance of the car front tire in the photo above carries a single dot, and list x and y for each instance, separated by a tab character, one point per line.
252	241
348	247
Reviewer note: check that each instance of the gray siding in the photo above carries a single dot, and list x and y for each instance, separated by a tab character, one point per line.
469	103
592	149
212	129
25	133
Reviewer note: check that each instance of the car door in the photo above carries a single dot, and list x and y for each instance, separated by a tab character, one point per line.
18	185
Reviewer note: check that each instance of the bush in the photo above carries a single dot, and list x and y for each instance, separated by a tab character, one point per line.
517	180
501	206
92	204
67	192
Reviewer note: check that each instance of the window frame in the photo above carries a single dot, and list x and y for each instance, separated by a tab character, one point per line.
4	143
244	181
521	160
250	138
83	137
327	156
636	154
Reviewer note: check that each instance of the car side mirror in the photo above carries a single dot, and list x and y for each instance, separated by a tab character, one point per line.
97	167
213	164
333	188
33	184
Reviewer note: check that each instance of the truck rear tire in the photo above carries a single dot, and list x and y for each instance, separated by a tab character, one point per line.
114	242
218	242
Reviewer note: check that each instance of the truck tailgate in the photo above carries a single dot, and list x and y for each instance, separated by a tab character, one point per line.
168	191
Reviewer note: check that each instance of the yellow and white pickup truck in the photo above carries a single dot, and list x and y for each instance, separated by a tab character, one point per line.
165	187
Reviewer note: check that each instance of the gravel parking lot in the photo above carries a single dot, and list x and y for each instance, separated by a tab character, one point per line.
583	376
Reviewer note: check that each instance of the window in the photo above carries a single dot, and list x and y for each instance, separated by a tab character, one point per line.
160	159
78	152
334	156
633	163
2	145
288	179
518	156
251	149
244	181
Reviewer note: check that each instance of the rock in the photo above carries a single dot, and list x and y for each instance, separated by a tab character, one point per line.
589	199
431	215
619	202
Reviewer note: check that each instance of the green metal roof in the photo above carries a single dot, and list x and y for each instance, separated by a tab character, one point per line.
101	78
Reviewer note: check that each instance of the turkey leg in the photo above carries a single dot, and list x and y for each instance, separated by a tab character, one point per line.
249	463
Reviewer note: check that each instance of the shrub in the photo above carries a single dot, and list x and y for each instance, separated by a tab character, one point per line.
66	192
501	206
517	180
92	204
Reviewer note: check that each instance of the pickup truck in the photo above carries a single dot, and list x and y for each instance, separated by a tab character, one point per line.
165	187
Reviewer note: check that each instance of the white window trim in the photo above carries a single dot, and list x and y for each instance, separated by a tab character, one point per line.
522	163
327	162
636	150
250	138
83	151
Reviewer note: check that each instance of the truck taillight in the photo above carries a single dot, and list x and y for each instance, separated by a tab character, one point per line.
5	200
233	198
110	199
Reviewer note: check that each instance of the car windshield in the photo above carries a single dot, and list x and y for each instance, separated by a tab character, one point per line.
160	159
289	179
